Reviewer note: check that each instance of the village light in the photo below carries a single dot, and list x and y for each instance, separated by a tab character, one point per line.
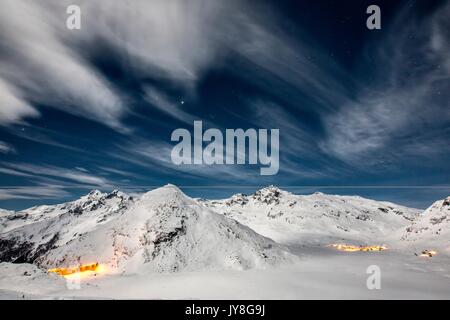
351	248
82	269
428	253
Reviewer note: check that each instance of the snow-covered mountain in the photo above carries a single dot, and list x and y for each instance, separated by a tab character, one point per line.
432	228
3	214
162	230
317	218
101	205
165	231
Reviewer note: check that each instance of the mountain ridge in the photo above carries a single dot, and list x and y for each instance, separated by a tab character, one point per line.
163	230
433	226
317	218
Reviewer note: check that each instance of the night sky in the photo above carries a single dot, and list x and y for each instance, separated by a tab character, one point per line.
360	112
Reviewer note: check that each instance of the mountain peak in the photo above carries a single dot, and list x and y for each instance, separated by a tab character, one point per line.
95	193
432	225
98	195
270	188
117	194
269	195
171	186
439	206
163	231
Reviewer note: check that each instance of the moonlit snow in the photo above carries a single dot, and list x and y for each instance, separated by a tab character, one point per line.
268	245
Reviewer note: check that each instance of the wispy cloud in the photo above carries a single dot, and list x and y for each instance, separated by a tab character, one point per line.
12	172
168	45
289	68
408	98
6	148
300	154
162	102
175	41
40	66
58	173
45	136
47	182
116	171
13	106
32	192
157	155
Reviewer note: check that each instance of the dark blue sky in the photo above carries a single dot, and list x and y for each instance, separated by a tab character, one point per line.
359	111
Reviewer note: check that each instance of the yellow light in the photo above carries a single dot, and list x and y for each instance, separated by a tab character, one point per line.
351	248
85	270
428	253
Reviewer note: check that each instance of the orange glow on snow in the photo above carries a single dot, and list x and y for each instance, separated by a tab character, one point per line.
86	269
428	253
350	248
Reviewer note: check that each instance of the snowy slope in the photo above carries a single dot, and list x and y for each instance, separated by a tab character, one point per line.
315	219
28	234
4	213
97	203
163	230
3	217
16	277
432	228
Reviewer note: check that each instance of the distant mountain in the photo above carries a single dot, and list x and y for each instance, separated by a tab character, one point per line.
4	213
162	230
315	219
101	204
432	228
